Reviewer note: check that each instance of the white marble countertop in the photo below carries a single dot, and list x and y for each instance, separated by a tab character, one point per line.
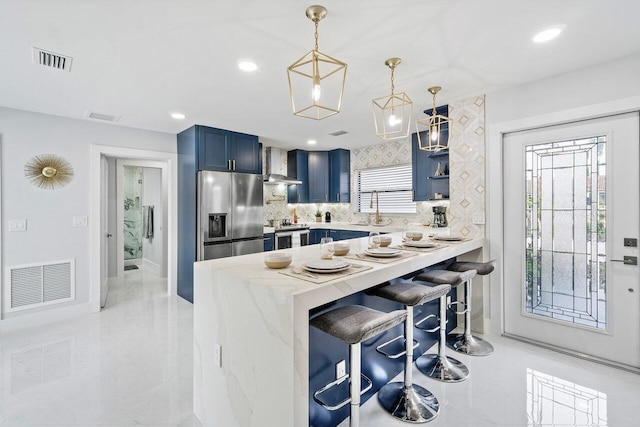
387	228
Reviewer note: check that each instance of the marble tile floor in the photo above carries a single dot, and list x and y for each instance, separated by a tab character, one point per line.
131	365
524	385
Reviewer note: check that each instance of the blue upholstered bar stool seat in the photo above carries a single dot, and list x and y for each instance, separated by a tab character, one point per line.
440	366
466	342
404	400
354	324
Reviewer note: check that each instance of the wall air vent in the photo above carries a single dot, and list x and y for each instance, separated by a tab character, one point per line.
35	285
105	117
338	133
51	60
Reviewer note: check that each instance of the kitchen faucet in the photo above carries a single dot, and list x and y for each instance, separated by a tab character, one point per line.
377	220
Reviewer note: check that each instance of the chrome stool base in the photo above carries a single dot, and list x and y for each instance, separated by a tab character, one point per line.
469	345
412	404
446	369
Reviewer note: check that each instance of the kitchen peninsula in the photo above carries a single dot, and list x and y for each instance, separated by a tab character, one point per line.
251	330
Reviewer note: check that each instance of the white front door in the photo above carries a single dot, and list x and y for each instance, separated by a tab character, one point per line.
571	198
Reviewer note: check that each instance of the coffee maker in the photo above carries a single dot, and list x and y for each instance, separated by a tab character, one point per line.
440	216
327	217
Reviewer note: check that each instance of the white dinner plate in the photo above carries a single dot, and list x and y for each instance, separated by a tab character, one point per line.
325	270
383	252
448	238
420	244
327	264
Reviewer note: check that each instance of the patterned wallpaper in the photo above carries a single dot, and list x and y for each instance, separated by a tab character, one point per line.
466	164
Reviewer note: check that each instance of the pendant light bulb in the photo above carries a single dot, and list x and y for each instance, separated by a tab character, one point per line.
434	133
316	88
394	121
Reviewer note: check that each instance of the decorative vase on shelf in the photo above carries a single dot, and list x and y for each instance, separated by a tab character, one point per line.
439	170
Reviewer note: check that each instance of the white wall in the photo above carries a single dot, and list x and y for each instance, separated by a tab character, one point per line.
152	196
604	89
50	235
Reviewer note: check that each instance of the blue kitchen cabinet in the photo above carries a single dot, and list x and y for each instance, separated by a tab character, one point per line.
316	234
425	163
318	181
227	151
349	234
335	234
298	167
339	176
269	238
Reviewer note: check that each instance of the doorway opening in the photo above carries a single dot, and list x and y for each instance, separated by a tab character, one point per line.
107	231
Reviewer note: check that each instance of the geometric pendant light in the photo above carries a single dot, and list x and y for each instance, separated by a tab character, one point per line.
316	81
392	113
433	130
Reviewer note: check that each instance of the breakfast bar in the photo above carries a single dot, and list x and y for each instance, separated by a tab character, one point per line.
251	328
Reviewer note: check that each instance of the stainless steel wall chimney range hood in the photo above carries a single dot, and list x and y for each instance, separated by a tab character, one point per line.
273	167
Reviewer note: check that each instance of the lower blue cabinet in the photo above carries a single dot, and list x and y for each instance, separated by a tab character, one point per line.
268	242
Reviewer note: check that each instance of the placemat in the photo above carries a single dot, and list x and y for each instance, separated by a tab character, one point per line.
365	257
413	248
323	277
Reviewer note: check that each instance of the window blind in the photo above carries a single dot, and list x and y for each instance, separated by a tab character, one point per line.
394	186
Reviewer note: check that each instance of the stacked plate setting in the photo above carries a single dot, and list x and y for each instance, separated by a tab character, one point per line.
420	244
451	238
326	266
383	252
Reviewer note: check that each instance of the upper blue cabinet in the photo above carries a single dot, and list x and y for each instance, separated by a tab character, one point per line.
430	170
325	176
223	150
339	176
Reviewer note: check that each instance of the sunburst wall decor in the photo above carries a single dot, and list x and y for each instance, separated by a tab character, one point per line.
48	171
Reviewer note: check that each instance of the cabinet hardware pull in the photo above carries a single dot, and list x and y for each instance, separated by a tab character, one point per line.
228	165
338	197
234	164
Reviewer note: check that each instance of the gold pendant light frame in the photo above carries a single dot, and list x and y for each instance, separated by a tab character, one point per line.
48	171
313	71
392	113
430	129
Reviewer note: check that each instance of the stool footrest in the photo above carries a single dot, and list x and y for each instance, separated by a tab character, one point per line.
390	353
456	303
419	323
334	404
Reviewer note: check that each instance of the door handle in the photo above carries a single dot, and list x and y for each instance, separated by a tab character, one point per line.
108	235
627	260
234	164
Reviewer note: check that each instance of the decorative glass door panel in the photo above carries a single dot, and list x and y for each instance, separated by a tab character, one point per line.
565	199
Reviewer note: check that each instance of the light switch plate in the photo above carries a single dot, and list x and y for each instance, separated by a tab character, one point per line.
80	221
341	369
17	225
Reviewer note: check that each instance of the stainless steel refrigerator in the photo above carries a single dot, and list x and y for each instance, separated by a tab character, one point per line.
229	214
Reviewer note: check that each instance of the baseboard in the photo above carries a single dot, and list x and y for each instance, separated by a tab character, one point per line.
152	267
46	317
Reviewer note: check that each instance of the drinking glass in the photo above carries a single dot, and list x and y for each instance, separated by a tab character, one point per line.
374	240
326	248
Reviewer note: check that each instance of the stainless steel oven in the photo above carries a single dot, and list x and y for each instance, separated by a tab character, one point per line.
291	239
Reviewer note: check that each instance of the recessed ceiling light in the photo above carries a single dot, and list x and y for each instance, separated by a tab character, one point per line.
311	142
247	66
548	34
178	116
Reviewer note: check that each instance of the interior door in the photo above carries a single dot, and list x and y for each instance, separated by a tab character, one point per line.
104	227
571	199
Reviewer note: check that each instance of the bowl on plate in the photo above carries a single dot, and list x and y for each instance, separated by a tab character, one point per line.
385	241
414	235
277	259
341	248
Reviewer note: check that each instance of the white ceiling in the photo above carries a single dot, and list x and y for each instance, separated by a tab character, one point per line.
142	59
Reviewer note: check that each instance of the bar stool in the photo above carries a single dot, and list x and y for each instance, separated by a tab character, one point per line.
404	400
465	342
440	366
354	324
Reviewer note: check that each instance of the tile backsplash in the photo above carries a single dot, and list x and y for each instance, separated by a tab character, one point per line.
467	182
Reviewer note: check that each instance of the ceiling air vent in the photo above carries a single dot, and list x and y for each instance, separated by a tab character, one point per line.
105	117
338	133
51	60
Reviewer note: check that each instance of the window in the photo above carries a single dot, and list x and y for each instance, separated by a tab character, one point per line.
394	187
